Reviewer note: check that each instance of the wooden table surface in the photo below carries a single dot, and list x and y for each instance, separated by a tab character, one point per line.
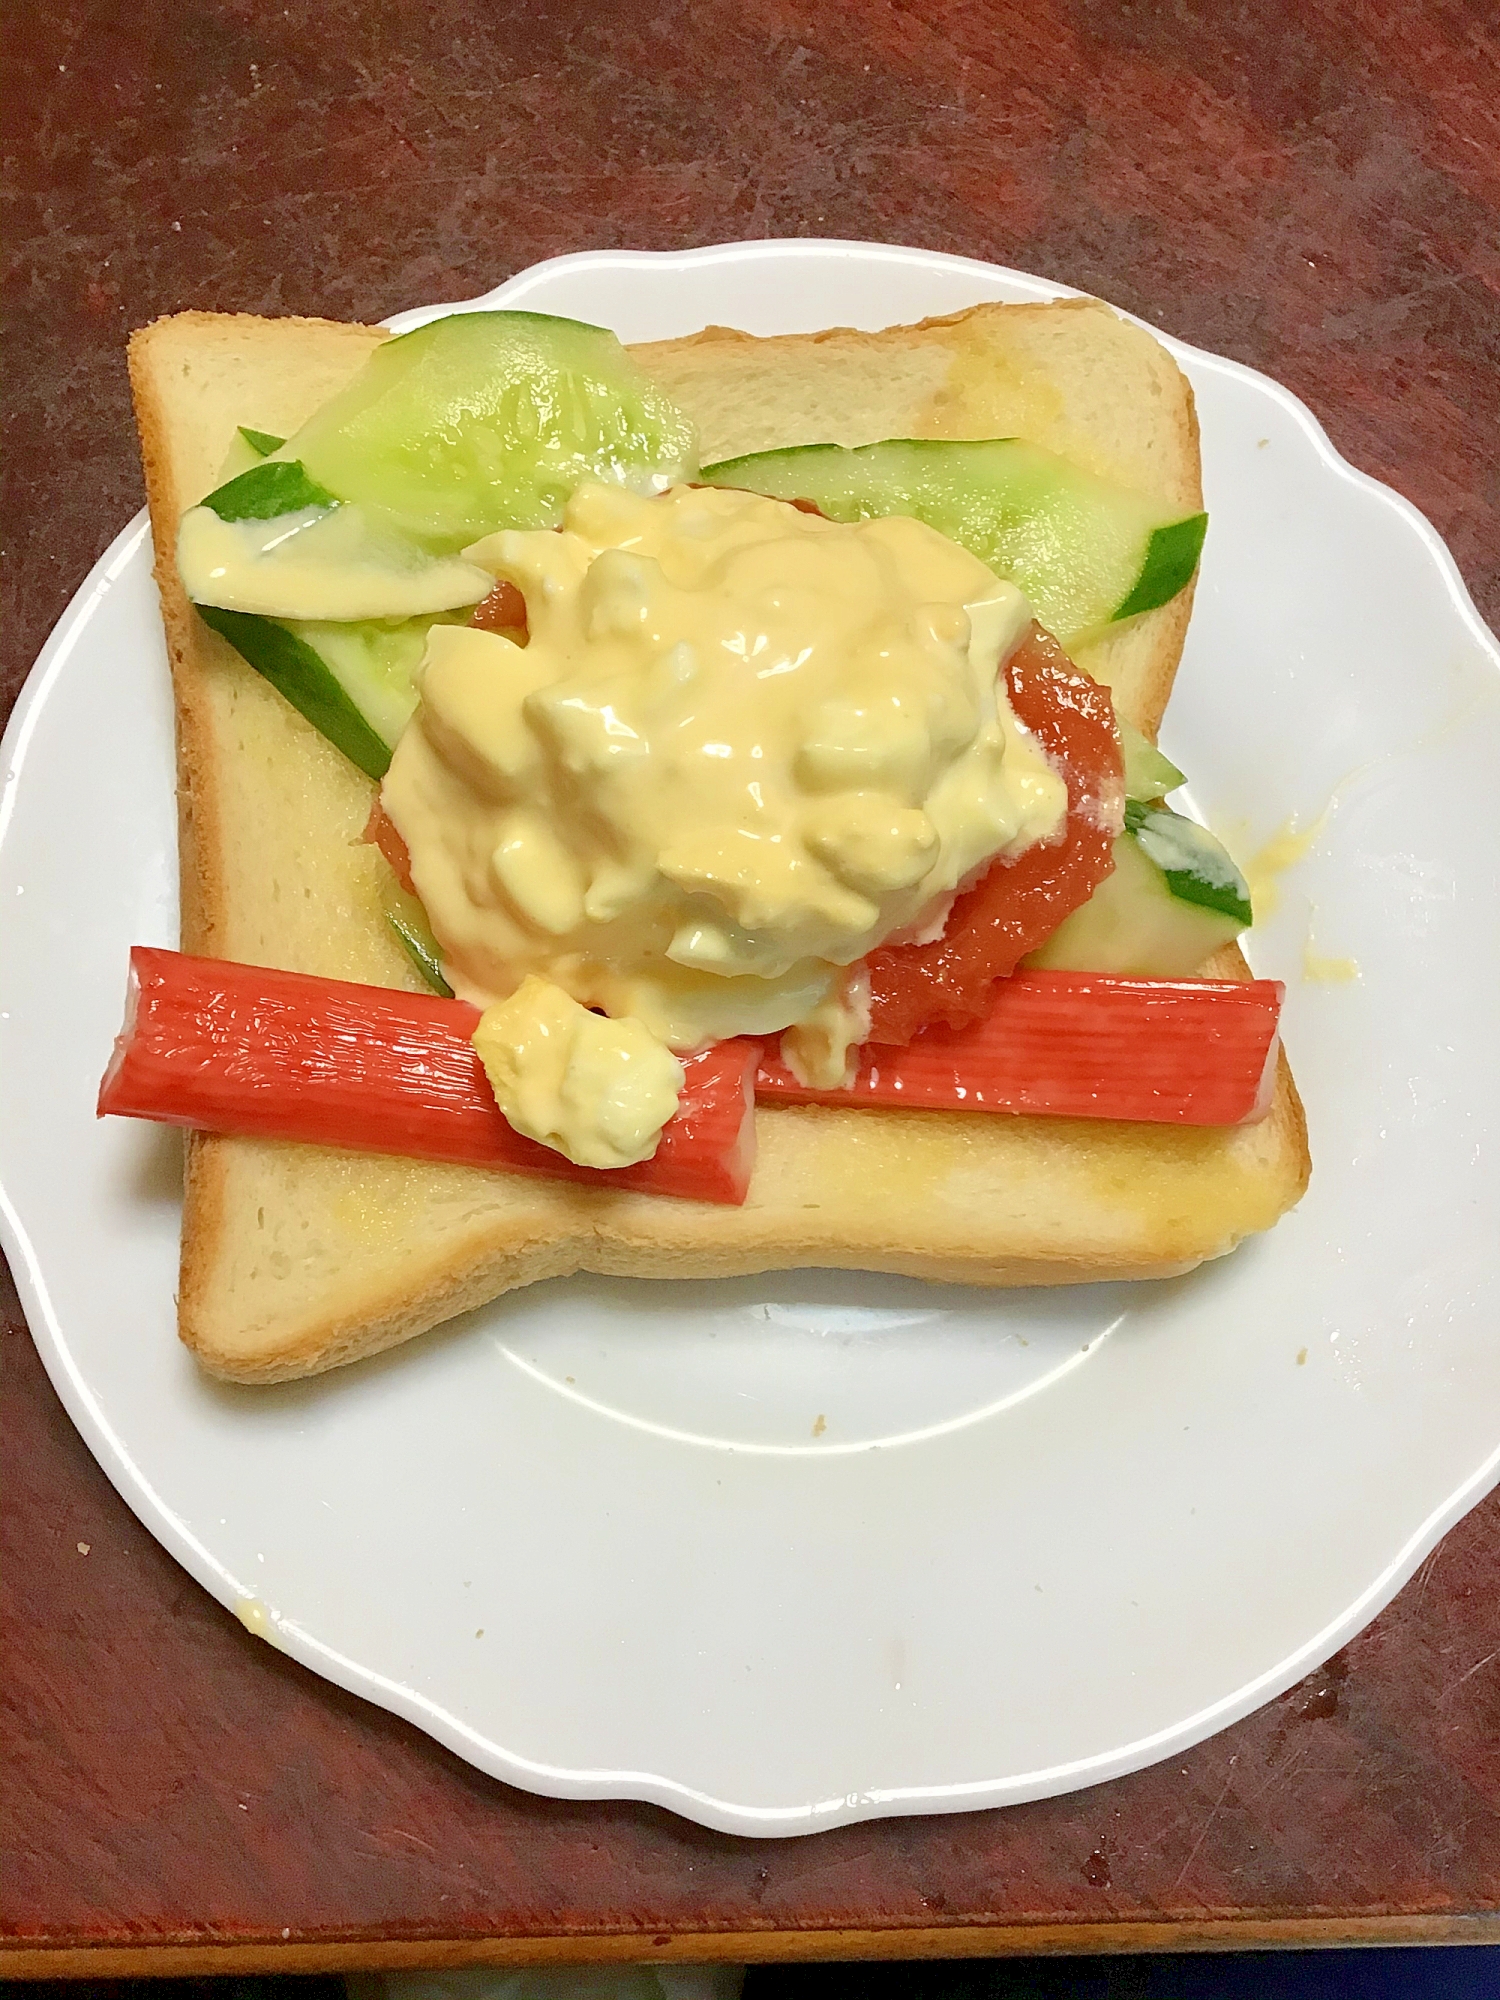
1312	186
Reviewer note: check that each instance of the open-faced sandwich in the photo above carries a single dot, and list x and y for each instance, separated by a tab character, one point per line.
683	812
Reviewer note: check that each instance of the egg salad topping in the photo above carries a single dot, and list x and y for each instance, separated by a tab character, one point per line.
743	747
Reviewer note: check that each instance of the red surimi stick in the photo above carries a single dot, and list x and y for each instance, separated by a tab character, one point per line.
1079	1045
235	1048
241	1048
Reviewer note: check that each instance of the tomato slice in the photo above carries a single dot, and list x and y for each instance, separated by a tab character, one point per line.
1018	903
380	831
504	610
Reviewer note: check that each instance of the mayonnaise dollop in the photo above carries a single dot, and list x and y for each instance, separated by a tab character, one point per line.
743	747
595	1090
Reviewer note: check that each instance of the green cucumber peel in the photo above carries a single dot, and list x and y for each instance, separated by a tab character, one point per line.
261	441
298	673
1220	896
274	487
1195	866
1135	811
1085	551
1171	557
417	941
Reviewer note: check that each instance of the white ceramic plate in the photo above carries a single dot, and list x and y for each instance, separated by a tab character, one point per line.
809	1548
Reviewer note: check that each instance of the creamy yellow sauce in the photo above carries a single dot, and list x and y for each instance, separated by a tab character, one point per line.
1286	847
742	747
318	563
595	1090
1322	970
257	1619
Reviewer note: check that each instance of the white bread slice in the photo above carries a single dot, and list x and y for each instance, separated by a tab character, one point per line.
295	1258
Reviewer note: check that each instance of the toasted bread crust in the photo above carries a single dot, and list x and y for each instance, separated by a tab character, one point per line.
296	1259
180	466
485	1263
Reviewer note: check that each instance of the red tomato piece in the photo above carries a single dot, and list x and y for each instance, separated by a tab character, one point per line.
1018	903
380	831
504	610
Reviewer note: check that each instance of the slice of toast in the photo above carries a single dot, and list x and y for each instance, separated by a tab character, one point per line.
295	1258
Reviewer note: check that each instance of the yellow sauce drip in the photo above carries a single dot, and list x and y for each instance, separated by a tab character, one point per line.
257	1620
595	1090
1327	971
1287	846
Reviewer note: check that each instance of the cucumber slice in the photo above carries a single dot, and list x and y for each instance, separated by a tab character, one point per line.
315	689
373	662
355	682
1148	774
1136	926
1194	865
408	921
1084	551
480	421
489	420
1171	557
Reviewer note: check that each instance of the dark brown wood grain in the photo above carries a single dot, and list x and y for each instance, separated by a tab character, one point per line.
1312	186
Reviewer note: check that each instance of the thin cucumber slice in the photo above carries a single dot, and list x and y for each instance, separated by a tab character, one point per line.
1171	557
296	671
489	420
325	669
1148	774
349	665
1194	865
479	421
414	934
375	663
1136	926
1084	551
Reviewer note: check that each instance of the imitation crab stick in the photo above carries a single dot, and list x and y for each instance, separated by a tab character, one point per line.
1080	1045
237	1048
240	1048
